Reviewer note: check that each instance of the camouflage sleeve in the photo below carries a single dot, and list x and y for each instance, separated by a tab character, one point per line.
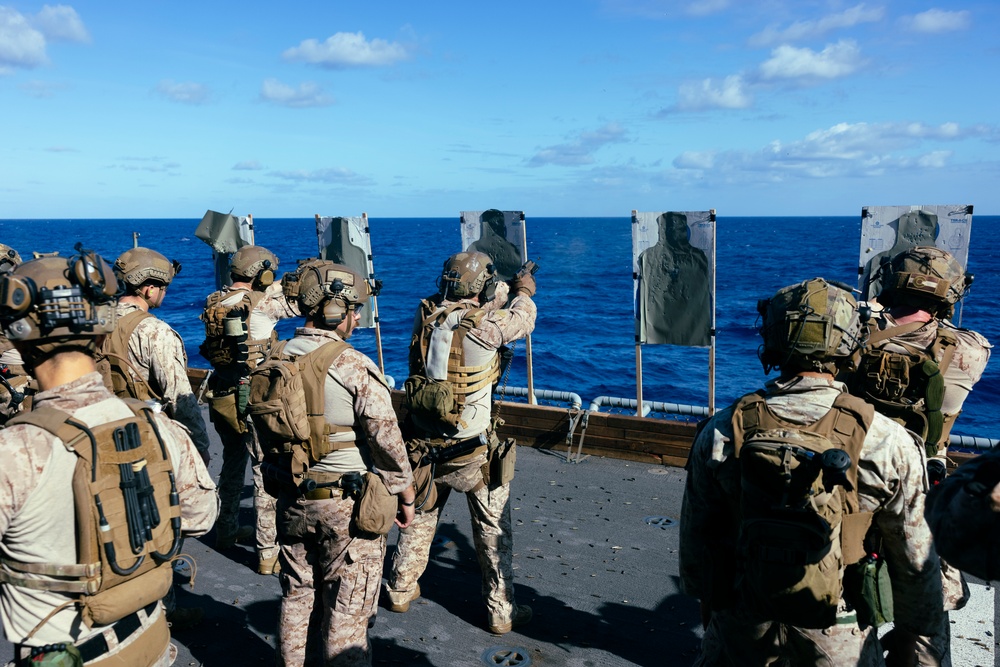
963	512
892	483
274	304
199	499
498	302
972	353
708	536
507	324
373	408
153	339
24	451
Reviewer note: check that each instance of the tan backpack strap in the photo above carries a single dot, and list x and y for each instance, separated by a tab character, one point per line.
315	365
880	335
747	416
944	348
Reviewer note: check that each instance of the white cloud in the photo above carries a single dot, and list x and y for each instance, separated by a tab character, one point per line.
21	45
730	93
331	175
801	30
835	61
248	165
61	23
23	39
308	94
579	151
937	20
843	150
663	9
184	92
347	49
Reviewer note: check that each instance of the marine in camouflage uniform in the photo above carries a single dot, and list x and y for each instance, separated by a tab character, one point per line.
331	572
489	504
891	484
247	269
155	352
37	515
920	287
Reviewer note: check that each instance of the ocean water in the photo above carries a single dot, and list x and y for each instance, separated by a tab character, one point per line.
584	338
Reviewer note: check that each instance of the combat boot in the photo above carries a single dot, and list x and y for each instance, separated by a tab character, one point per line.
404	606
223	542
519	616
269	565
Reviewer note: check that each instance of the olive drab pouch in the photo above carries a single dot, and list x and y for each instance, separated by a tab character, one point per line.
430	398
375	510
800	521
868	589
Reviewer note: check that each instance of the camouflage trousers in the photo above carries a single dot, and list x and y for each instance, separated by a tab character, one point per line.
323	564
237	449
491	534
734	640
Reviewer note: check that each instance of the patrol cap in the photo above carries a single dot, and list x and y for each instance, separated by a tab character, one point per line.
809	326
137	265
466	274
9	258
59	301
925	277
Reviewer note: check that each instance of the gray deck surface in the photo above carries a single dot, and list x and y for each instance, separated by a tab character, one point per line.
595	557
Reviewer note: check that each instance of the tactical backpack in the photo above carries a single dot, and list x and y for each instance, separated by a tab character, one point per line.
800	520
287	403
907	387
120	376
224	347
441	394
128	516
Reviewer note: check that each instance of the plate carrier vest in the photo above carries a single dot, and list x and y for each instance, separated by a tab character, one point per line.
125	544
462	380
121	377
221	352
908	387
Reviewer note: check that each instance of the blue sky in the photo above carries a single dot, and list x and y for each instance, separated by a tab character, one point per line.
592	107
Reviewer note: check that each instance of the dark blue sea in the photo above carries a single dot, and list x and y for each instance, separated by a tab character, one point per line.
584	340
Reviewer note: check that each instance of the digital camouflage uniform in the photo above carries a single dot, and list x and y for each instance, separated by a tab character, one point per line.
891	481
38	524
323	560
157	351
489	509
238	448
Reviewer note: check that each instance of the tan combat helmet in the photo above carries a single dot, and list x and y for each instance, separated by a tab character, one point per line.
811	326
329	291
9	259
137	266
56	303
255	264
466	275
925	277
